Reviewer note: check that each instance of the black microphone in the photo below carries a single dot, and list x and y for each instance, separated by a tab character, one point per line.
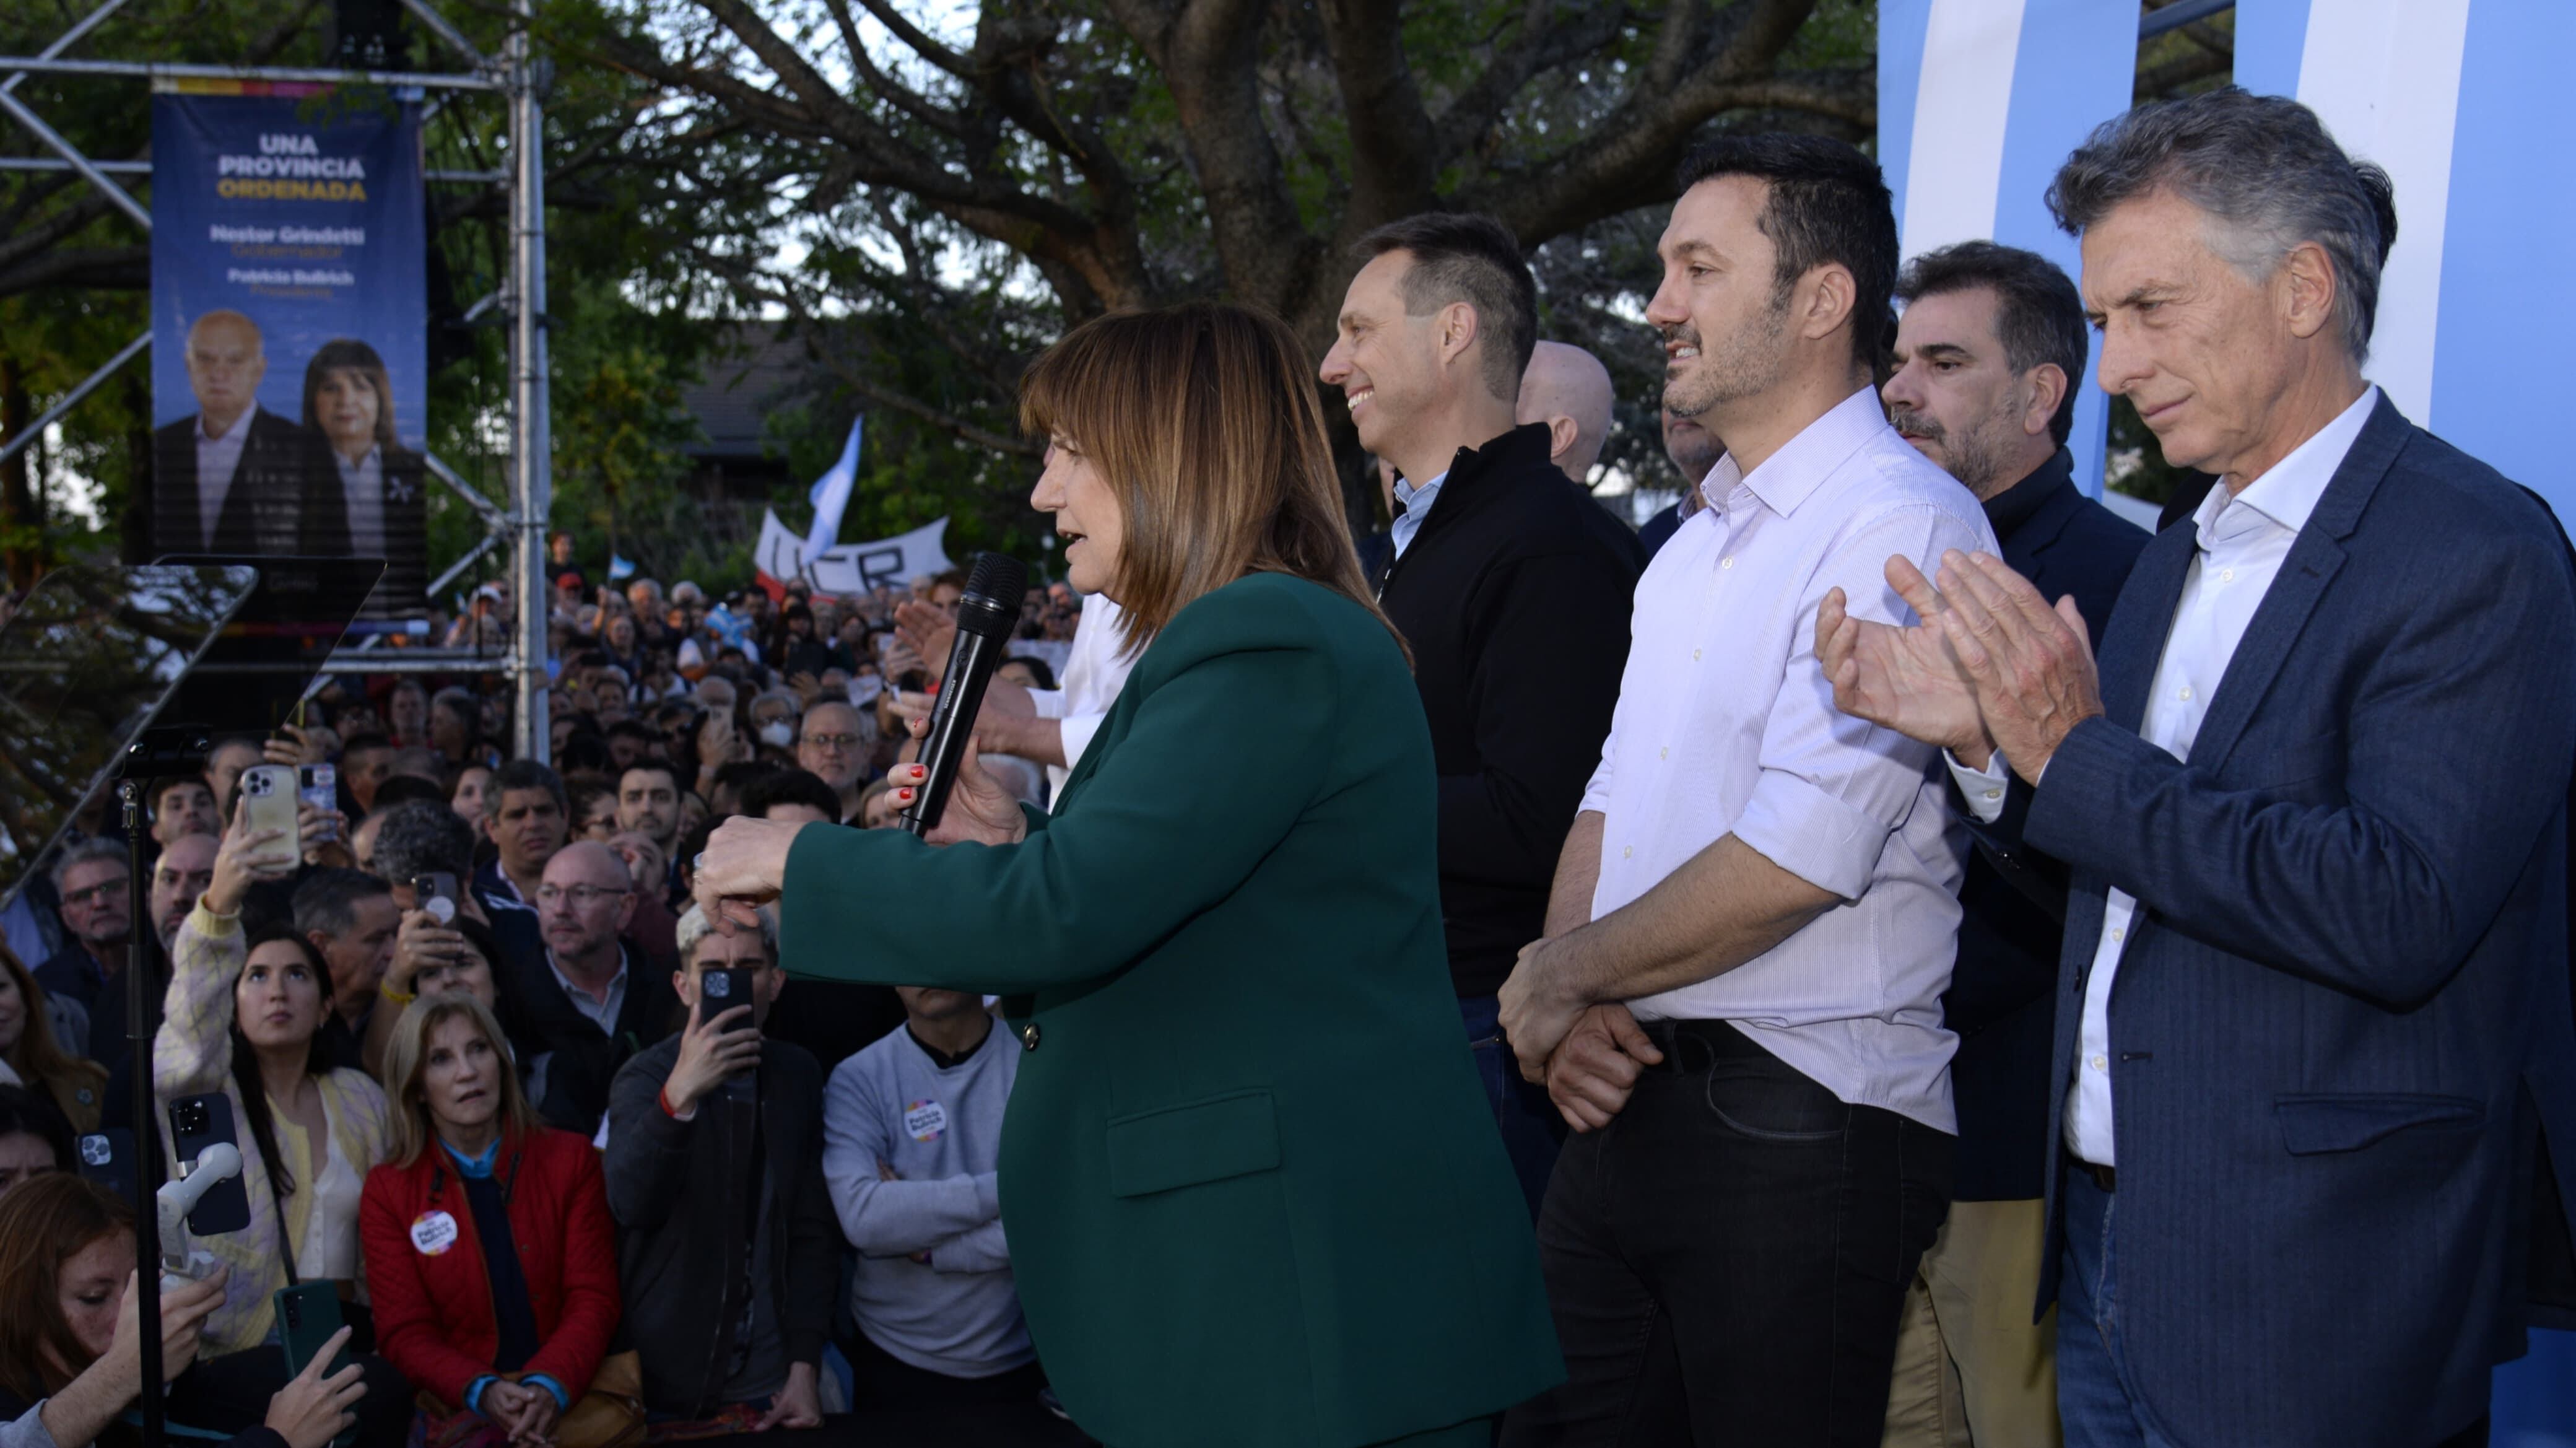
986	615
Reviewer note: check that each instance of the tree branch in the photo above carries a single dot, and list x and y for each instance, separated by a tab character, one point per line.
1392	175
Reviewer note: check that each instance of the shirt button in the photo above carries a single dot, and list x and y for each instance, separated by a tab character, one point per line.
2116	934
1627	850
2186	693
1029	1036
1664	753
1726	563
2100	1063
2227	575
1994	794
1695	656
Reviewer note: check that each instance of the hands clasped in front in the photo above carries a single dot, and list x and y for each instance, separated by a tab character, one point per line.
1587	1054
1987	665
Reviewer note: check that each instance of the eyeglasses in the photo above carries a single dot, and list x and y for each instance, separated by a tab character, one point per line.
844	742
583	896
98	894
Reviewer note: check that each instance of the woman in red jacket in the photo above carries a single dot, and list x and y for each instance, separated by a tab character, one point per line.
488	1242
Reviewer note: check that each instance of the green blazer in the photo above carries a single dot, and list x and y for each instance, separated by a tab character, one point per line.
1253	1189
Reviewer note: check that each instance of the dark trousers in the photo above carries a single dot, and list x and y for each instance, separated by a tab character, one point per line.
886	1383
1530	1124
1727	1260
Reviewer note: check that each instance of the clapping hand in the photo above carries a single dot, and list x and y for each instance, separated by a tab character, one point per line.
2032	665
929	631
1902	678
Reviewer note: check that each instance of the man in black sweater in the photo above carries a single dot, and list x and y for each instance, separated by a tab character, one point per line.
1989	354
1511	585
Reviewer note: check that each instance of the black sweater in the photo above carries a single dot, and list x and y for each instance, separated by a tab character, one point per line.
1514	596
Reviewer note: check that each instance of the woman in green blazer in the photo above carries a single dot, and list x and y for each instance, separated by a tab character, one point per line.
1253	1191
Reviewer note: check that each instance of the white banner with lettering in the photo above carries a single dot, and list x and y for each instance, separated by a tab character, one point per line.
852	568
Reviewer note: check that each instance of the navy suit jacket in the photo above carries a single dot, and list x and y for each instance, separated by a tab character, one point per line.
2002	995
2347	986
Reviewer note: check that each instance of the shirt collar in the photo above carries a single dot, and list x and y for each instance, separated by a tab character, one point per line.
239	423
2287	492
1407	491
479	1166
571	989
1789	476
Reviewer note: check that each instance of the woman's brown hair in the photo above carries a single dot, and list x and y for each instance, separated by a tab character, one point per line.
44	1222
40	1060
1203	419
407	1061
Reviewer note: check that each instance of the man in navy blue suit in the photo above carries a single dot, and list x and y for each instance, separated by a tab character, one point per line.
2313	1002
1989	353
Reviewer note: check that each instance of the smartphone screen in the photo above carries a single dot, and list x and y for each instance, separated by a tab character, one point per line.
319	786
198	1122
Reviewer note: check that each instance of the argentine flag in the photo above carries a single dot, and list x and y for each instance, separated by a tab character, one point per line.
830	496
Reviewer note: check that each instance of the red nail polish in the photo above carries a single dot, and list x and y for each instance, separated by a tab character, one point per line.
905	796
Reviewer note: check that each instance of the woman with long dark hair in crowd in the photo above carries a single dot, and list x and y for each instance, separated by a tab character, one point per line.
71	1348
1254	1190
489	1244
243	1017
36	1057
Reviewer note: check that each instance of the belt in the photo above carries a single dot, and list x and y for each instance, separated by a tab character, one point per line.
2107	1178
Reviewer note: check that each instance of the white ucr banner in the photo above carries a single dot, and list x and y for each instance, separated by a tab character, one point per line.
852	568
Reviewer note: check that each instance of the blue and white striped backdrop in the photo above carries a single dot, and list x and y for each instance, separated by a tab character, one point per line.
1978	103
2462	100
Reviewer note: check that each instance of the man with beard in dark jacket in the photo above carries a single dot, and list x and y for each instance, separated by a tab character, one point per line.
715	1175
1512	587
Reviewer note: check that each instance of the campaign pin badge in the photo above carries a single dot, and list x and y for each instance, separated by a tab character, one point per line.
925	1120
432	1233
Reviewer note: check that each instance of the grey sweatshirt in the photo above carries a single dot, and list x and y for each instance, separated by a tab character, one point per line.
941	1133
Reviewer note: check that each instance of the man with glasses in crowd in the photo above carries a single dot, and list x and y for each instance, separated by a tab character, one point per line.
91	878
831	748
598	1000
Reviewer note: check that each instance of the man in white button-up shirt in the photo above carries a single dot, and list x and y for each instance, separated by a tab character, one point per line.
2313	802
1770	885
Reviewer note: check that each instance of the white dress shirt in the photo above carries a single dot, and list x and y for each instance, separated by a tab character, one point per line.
363	482
2243	538
1094	672
218	455
1727	726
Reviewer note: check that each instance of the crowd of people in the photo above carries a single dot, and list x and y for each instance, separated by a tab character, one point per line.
1787	980
464	1025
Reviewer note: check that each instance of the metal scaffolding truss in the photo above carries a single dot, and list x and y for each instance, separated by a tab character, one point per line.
513	76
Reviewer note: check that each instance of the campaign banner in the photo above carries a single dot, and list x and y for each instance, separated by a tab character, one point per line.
290	328
849	569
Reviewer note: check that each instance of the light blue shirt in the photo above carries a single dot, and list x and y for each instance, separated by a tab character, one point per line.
1413	502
